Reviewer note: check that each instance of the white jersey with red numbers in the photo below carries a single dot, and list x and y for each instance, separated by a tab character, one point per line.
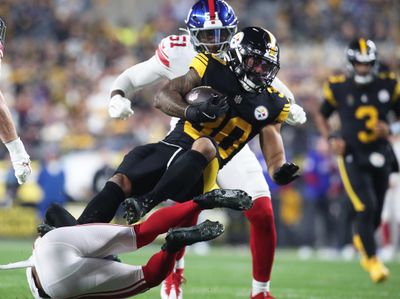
175	54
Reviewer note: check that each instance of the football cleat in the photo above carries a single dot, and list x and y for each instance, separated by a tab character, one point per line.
135	209
224	198
262	295
44	228
171	287
178	238
377	270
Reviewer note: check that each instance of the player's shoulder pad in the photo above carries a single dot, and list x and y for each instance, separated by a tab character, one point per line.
172	46
387	76
336	79
200	63
278	105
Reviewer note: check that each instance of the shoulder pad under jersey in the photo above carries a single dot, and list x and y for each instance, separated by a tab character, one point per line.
175	47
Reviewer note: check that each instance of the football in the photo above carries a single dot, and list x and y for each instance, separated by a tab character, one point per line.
201	94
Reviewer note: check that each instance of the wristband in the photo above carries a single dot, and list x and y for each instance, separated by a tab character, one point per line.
16	147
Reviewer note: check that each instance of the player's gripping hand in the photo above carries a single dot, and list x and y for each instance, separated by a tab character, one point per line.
286	174
119	107
20	160
297	115
208	110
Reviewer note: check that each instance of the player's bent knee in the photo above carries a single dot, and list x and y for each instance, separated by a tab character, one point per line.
206	147
123	182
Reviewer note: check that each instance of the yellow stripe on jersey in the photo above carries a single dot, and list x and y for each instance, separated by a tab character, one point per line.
219	59
199	65
203	58
328	95
284	114
355	200
286	107
396	93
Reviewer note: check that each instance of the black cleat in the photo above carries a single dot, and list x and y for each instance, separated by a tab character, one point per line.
44	228
224	198
135	209
177	238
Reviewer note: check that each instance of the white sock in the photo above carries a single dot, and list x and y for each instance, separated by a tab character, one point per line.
180	264
259	287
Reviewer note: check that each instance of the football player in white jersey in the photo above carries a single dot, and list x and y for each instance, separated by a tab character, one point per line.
8	134
64	266
210	25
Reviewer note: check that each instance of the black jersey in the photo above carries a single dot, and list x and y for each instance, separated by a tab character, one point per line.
248	112
360	107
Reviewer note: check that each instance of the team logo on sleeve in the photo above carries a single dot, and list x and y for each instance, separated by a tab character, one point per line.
261	113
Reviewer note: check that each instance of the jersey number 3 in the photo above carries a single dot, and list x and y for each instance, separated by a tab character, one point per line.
371	116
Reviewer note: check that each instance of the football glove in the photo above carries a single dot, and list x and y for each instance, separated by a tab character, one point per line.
208	110
119	107
19	159
286	174
297	115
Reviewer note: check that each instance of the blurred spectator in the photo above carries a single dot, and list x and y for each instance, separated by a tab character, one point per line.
51	179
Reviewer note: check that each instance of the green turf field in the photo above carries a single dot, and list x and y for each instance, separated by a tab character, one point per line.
225	273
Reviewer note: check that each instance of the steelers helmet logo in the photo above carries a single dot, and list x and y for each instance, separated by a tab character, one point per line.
236	40
261	113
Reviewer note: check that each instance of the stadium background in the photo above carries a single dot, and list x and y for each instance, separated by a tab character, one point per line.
62	56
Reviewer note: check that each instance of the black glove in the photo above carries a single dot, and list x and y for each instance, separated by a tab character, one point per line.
207	110
286	174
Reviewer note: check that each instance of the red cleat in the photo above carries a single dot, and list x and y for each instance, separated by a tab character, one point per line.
171	287
262	296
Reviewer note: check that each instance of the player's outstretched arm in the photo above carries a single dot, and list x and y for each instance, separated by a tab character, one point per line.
273	150
170	98
129	82
19	157
297	115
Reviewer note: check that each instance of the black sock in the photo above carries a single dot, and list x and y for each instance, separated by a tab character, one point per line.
104	205
57	216
178	181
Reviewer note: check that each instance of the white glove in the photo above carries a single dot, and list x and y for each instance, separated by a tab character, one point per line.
20	160
119	107
297	115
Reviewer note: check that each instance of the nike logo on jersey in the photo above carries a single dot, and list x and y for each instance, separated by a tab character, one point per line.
210	116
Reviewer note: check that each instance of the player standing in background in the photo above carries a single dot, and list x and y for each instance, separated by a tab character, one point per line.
8	134
210	26
363	101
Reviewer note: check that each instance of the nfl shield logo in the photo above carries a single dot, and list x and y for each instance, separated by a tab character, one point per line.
261	113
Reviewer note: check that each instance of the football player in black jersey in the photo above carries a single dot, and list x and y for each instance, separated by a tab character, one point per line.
363	99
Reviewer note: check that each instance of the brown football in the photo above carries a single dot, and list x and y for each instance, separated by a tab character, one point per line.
201	94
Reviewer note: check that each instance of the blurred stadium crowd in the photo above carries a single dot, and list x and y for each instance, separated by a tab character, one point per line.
62	56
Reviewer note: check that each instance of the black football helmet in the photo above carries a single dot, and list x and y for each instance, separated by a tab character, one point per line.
362	51
254	57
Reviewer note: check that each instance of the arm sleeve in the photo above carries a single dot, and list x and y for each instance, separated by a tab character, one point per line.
330	104
281	87
140	75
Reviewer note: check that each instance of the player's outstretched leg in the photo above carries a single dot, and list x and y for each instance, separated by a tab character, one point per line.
161	264
220	198
224	198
